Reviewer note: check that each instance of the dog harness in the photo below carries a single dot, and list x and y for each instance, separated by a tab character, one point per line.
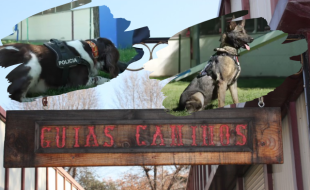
66	58
225	51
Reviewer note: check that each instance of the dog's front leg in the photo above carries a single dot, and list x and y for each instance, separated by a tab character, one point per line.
234	92
96	80
222	87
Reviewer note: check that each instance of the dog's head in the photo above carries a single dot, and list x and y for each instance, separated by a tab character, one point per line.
236	36
195	103
108	56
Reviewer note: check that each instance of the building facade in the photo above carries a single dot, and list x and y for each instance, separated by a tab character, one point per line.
293	98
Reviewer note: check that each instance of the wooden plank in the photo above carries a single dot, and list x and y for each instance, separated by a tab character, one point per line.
110	137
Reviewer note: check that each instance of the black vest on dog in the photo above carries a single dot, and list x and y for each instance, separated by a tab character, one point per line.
208	71
65	57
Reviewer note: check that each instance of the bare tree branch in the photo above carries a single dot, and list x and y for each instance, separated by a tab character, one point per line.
146	170
174	177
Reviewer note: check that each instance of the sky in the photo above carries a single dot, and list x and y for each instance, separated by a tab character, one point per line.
163	17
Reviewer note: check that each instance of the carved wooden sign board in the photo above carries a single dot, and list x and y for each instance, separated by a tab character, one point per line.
142	137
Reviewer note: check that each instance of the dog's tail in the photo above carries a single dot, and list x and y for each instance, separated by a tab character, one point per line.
11	55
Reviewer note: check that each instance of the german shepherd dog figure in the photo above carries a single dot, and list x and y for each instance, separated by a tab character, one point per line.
219	74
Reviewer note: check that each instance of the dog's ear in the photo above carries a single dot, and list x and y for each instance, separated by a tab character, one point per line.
242	23
111	60
232	24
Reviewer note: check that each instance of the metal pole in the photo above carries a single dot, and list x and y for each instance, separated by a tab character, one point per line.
255	26
223	24
72	23
89	23
196	46
21	30
179	53
27	30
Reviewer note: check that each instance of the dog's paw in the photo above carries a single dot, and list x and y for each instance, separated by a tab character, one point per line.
101	80
29	99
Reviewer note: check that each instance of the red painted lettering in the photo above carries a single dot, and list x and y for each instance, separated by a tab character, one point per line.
194	135
48	143
239	133
179	135
106	132
222	135
76	137
158	133
204	135
138	134
63	137
211	135
91	133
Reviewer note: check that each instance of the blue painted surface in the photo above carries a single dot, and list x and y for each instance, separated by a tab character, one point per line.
16	30
124	39
114	29
107	24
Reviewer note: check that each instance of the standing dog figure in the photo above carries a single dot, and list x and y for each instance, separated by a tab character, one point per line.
219	74
57	64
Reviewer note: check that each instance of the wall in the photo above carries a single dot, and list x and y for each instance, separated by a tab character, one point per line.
167	63
56	25
261	8
303	132
258	8
82	26
236	5
45	27
283	174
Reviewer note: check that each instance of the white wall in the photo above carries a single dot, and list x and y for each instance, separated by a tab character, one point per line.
2	170
81	24
236	5
29	178
303	132
42	179
51	179
283	174
167	62
43	27
261	8
56	25
60	182
15	178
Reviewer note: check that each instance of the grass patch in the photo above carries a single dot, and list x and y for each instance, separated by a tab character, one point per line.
248	89
25	42
127	54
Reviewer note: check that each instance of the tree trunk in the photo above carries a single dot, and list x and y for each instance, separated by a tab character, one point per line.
96	22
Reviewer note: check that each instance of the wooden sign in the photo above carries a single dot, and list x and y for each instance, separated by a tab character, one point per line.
142	137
